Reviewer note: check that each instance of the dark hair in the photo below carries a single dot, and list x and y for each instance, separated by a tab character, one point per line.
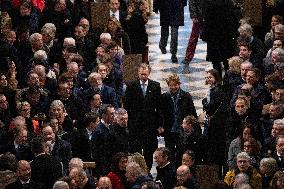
89	118
8	161
37	145
151	185
256	71
244	42
115	161
255	147
216	75
165	152
278	17
104	108
190	153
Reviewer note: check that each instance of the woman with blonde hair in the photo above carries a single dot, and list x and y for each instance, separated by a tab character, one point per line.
232	77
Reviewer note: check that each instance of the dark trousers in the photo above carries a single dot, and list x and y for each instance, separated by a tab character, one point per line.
192	42
165	36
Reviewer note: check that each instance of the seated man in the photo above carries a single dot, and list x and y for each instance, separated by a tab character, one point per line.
24	178
108	94
184	178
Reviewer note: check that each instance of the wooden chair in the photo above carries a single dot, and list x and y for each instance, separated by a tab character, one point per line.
89	166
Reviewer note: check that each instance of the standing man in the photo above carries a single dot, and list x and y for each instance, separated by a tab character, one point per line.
176	105
171	15
142	104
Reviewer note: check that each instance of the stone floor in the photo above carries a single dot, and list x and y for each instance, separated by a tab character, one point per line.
192	75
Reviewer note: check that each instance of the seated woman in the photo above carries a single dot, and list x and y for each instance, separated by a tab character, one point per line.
267	167
236	145
243	166
118	34
188	159
117	173
269	37
57	110
252	148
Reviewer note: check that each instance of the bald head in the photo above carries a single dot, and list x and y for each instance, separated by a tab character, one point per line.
104	183
183	174
24	170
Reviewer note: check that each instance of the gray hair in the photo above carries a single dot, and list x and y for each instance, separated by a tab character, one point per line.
40	55
57	103
279	27
69	41
280	53
244	186
243	155
49	28
60	185
34	37
105	36
247	62
76	162
279	122
241	179
120	111
246	28
270	164
135	169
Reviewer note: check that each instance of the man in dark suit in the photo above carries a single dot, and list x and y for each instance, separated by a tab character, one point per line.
176	105
58	148
118	10
108	94
104	142
141	101
45	168
120	130
19	146
279	153
83	138
24	178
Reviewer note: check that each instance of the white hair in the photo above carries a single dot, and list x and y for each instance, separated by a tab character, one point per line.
49	28
105	36
69	41
246	28
34	37
60	185
76	162
279	27
40	55
243	155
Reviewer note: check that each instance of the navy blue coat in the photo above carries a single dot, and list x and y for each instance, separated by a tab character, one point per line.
171	12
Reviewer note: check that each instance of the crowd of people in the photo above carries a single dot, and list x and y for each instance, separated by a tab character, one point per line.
64	103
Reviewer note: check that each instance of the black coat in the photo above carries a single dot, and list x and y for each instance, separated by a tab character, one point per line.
220	27
137	32
171	11
185	107
121	135
18	185
103	148
166	175
216	110
81	145
46	170
62	152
